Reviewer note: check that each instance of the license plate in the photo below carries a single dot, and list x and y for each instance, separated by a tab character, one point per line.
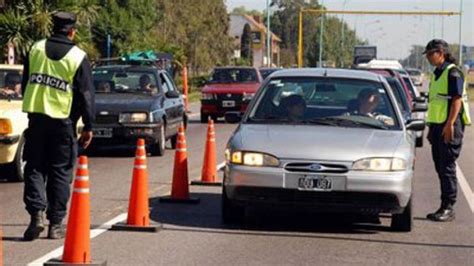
321	183
102	132
228	103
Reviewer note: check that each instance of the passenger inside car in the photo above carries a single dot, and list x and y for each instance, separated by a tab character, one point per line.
294	107
12	85
104	87
366	104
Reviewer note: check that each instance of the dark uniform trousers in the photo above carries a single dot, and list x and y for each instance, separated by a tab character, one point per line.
50	152
444	157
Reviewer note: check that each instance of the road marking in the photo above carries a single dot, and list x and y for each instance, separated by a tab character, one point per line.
94	233
465	188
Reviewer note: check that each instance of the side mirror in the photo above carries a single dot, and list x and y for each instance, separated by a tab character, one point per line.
232	117
420	99
420	107
172	94
415	125
424	94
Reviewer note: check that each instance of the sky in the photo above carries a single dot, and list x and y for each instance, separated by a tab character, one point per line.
394	35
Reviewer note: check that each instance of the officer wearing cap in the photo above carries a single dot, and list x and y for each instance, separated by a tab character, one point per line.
58	90
448	114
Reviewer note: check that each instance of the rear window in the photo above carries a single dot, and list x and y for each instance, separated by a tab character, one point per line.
332	101
233	75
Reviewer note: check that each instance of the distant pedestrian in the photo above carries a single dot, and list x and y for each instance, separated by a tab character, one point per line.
448	114
58	90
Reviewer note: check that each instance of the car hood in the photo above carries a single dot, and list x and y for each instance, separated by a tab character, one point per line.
9	109
123	102
317	142
231	88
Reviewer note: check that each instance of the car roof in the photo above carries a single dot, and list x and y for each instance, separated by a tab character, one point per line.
129	67
236	67
11	67
327	72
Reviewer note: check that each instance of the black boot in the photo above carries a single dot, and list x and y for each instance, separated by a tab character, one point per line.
444	214
56	231
35	227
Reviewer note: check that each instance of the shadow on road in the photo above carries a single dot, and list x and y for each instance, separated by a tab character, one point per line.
205	217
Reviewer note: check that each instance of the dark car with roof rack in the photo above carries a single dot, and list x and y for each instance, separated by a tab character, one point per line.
136	99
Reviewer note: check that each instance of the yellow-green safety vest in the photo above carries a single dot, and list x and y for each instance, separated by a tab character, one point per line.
49	87
438	99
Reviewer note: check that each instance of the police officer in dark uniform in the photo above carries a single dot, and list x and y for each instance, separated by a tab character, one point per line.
448	114
58	90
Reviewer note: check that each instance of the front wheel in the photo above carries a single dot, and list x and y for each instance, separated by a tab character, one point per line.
159	147
17	167
403	222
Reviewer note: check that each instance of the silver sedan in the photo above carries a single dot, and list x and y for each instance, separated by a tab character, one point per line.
328	140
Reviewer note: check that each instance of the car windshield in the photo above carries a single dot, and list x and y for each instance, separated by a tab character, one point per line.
124	81
324	101
10	84
233	75
399	93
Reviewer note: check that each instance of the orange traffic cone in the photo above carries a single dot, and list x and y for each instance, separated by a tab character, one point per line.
209	167
180	186
77	241
138	211
185	88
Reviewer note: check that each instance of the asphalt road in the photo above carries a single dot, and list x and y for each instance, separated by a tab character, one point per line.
194	235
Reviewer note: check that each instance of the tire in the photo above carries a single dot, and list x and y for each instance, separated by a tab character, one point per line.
403	222
159	148
419	142
231	213
204	118
174	141
17	167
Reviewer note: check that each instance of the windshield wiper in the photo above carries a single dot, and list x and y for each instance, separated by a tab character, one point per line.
338	121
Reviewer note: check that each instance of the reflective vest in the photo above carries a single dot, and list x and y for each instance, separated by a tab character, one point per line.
438	100
49	87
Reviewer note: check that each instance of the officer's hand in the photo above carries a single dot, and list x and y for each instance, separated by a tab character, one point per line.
430	136
85	139
448	133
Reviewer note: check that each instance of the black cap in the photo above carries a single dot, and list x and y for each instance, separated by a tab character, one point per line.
436	45
63	21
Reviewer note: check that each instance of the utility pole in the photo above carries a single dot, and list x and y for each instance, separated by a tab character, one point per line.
269	45
321	33
342	34
460	32
442	20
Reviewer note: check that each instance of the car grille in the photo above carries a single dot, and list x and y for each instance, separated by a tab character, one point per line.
316	168
106	119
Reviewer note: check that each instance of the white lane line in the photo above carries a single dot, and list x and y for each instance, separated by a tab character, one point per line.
465	188
94	233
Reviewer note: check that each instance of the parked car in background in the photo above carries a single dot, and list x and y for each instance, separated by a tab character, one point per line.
266	71
416	76
136	101
229	89
13	122
328	140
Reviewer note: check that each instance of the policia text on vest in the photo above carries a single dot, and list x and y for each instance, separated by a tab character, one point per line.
43	79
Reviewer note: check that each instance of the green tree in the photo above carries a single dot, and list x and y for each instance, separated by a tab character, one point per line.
241	10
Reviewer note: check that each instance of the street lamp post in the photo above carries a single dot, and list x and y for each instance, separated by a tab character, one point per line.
321	33
342	34
269	46
460	31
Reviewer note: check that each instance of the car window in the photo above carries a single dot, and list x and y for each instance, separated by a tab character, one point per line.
233	75
346	102
399	94
411	88
125	81
414	72
167	82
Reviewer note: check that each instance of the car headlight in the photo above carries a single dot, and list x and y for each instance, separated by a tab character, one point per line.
380	164
207	96
5	126
133	117
248	96
251	158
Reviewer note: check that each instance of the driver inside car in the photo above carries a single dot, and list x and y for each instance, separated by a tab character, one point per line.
12	85
365	105
294	107
145	84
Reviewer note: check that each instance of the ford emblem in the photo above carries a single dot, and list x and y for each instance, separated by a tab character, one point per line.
315	167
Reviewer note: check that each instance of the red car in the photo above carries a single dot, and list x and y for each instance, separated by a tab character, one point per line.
230	89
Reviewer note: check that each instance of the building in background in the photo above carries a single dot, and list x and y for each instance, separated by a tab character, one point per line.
259	39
